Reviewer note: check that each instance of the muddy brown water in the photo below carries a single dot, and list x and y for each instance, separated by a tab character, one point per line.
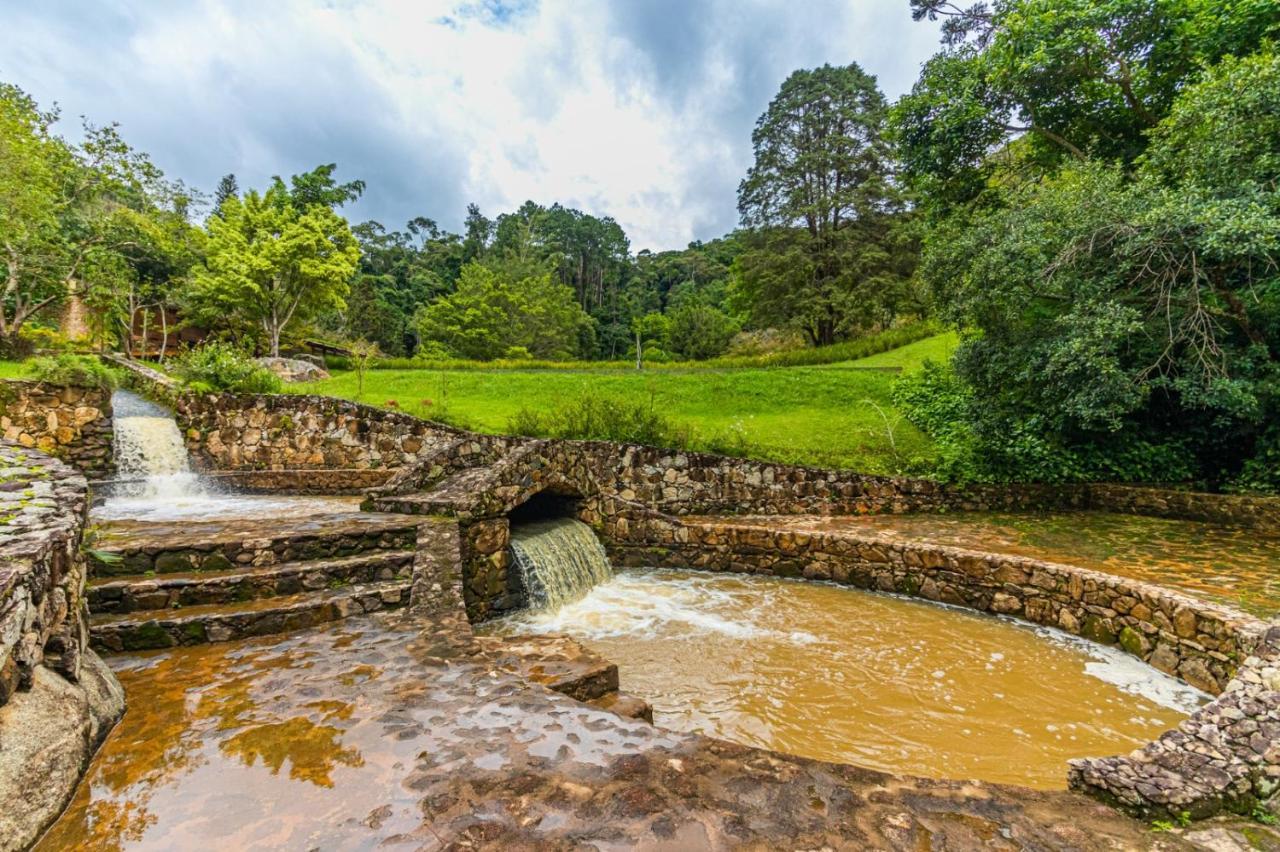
1234	566
843	675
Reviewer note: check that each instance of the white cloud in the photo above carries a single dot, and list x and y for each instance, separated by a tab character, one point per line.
639	109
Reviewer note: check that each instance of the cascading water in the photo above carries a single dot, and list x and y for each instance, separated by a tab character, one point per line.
151	457
151	460
559	560
156	482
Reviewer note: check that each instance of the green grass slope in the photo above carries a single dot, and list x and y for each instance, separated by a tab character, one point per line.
835	415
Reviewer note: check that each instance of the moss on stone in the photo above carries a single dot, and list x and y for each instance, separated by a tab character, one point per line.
215	562
1132	641
145	636
173	562
1095	629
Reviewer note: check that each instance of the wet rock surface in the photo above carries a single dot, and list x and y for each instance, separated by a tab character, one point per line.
47	735
391	732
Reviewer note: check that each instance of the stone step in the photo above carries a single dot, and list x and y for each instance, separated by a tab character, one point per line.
133	548
135	593
416	503
625	704
224	622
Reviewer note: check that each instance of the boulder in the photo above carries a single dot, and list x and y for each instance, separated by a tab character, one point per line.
47	737
294	369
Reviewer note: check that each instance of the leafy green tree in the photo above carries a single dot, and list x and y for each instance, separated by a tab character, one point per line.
477	233
399	271
271	262
68	211
651	332
227	188
1068	79
699	331
318	188
1121	315
820	206
490	316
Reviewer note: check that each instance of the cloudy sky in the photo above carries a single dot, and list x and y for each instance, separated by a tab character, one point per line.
638	109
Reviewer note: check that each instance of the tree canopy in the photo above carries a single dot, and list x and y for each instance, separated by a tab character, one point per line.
490	316
271	261
820	208
1101	184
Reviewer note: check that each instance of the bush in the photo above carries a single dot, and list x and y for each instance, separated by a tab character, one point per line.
217	366
42	339
699	332
432	350
974	443
79	370
600	418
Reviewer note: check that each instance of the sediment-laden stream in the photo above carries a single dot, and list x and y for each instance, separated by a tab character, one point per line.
842	675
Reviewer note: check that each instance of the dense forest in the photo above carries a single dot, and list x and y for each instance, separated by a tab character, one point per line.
1087	191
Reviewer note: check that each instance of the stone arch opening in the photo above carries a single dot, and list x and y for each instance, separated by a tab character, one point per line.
546	505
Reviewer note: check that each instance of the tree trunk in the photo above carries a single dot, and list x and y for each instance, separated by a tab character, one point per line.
164	334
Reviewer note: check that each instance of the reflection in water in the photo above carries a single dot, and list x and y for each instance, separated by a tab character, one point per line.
1237	567
838	674
218	740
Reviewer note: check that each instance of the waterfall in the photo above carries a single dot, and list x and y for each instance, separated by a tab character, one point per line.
150	453
559	561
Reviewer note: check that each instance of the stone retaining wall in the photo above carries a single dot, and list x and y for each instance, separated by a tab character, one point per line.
71	423
1175	633
42	573
285	432
57	699
1240	510
251	432
683	483
1226	756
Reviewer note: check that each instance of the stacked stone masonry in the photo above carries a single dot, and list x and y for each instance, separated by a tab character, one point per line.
42	511
57	699
70	423
1226	756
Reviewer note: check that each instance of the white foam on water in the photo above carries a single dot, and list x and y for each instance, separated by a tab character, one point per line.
1131	675
151	459
637	603
159	484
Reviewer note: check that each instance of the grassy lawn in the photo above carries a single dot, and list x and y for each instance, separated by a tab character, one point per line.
823	415
937	348
13	370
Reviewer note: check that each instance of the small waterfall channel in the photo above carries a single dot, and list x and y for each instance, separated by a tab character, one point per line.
559	560
151	456
153	468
